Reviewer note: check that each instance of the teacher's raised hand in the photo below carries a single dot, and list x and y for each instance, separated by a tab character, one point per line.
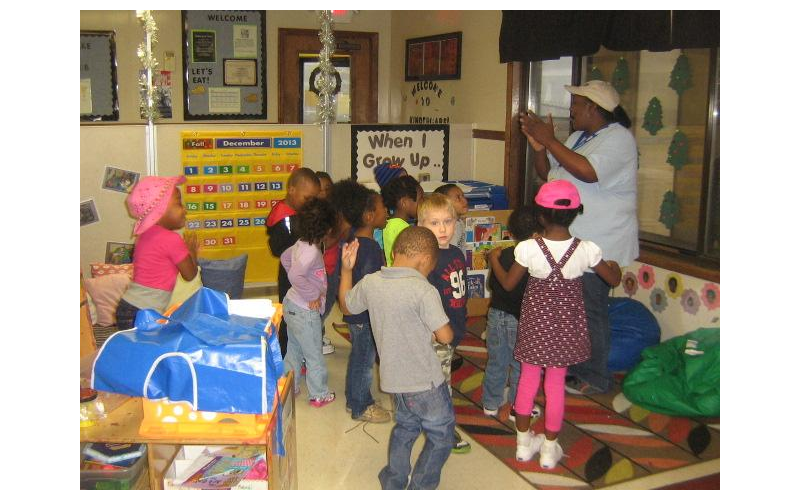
538	132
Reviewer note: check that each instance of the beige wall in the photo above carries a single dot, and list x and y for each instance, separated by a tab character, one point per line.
478	98
479	103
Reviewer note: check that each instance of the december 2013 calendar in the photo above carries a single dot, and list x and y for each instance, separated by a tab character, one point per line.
233	179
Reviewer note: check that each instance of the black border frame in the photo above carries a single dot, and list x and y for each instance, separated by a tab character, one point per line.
114	116
262	75
434	38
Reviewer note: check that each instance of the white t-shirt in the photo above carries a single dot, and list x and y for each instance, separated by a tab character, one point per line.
528	254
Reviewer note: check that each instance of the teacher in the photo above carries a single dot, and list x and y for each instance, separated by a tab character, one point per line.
600	158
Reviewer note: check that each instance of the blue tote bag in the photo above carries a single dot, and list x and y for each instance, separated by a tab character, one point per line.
201	355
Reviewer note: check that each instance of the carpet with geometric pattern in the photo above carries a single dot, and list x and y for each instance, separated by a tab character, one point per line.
607	440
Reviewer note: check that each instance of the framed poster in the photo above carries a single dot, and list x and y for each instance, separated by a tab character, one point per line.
99	100
435	57
224	57
422	150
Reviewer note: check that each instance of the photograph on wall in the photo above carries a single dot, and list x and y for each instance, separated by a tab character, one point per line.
119	253
89	213
421	150
117	179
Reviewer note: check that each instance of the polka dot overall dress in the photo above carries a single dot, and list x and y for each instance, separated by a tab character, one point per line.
552	325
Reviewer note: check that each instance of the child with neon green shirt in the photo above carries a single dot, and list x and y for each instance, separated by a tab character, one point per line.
401	196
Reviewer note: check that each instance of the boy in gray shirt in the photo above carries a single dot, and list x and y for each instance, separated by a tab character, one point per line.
404	309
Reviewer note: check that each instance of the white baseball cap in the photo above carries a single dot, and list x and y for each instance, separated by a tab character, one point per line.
601	93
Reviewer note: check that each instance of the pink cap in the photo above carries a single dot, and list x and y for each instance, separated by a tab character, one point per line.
149	200
559	194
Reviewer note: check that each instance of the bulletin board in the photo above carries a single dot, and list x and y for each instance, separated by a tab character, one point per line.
225	59
233	180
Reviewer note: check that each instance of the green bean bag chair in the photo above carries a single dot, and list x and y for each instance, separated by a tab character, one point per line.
679	377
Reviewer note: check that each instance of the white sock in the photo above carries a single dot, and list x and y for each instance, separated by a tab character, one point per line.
523	438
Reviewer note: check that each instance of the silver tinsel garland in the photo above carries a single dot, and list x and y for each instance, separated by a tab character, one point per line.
147	101
325	81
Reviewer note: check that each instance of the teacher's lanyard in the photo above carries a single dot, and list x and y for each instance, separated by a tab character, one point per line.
585	138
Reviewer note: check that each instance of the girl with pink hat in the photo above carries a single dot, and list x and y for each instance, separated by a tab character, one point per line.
552	333
160	253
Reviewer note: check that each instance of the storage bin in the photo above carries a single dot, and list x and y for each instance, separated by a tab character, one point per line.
105	479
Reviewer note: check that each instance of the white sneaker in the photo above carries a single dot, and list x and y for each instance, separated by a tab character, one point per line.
489	412
549	454
327	347
526	452
535	413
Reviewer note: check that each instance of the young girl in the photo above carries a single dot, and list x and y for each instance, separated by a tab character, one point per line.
552	332
456	195
401	196
305	300
160	253
365	211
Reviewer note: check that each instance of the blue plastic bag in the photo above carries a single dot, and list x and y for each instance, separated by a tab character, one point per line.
202	355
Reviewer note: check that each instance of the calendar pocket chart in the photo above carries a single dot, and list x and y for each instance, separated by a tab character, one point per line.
233	180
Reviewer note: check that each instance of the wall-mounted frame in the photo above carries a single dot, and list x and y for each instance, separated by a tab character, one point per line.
435	57
99	100
224	60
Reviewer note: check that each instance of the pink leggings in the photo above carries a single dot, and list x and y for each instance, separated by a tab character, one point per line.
554	378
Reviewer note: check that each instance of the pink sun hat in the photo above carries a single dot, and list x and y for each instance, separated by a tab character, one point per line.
149	200
559	194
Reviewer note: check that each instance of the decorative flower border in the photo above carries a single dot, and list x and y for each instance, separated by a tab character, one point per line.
658	300
690	301
710	296
674	285
647	277
630	284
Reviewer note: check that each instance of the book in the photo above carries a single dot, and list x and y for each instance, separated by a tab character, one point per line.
476	284
114	453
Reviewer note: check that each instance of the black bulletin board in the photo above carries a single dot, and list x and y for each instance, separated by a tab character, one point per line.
99	100
224	60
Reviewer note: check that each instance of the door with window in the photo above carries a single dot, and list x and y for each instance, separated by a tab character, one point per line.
355	61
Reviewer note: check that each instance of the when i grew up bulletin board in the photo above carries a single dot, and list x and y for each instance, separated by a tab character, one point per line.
233	179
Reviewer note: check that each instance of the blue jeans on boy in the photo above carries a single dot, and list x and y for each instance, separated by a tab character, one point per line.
594	371
359	369
501	337
305	342
430	411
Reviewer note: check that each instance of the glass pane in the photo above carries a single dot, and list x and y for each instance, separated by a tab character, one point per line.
546	95
713	240
341	99
666	96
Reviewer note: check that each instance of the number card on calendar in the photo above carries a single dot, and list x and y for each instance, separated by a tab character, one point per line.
233	181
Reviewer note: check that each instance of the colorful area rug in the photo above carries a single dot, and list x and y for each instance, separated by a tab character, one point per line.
607	440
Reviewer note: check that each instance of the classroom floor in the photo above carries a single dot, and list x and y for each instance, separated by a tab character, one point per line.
609	443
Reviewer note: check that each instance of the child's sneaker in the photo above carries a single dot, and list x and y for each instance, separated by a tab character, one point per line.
460	446
327	347
375	414
535	413
320	402
528	445
550	453
489	412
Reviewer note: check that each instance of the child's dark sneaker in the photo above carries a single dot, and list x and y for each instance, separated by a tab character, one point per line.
460	446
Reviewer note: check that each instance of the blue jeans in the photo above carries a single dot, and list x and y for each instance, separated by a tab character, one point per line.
501	337
305	342
594	371
430	411
359	369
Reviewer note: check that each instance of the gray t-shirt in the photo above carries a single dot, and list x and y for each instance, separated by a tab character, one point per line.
404	310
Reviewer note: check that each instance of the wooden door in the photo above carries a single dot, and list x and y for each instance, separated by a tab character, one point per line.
362	47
